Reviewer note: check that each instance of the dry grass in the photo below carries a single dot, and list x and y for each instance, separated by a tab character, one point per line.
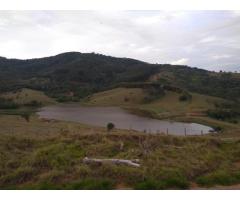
118	97
25	96
51	157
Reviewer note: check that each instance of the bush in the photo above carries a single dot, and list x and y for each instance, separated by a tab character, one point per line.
19	176
170	183
217	128
26	116
185	96
110	126
147	185
34	103
166	179
126	99
7	104
223	114
153	92
92	184
220	177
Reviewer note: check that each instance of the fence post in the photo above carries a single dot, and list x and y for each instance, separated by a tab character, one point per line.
185	131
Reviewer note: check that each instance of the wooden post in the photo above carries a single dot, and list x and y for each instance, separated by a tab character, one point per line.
185	131
201	132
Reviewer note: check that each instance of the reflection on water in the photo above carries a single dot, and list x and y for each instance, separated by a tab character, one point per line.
100	116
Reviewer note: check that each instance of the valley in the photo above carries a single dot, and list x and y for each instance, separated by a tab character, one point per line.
39	152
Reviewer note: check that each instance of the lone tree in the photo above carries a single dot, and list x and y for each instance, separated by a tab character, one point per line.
110	126
26	116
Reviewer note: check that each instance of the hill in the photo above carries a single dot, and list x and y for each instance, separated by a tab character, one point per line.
73	75
168	106
117	97
26	96
222	84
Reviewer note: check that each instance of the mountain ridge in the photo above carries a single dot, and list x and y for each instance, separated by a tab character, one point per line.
85	73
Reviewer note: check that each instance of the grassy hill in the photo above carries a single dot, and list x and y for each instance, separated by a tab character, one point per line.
169	103
117	97
166	107
26	96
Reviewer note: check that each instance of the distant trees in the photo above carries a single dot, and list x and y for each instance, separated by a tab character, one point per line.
225	111
224	114
80	73
33	103
153	92
225	85
7	104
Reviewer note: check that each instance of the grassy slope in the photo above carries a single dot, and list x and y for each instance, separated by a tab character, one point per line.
51	157
168	103
117	97
27	95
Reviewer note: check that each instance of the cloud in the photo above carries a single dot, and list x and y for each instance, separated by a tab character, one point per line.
198	38
224	56
208	39
182	61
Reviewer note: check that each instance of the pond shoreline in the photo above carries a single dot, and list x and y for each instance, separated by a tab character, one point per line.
123	119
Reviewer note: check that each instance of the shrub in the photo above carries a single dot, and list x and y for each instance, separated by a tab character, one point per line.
92	184
126	99
171	182
166	179
185	96
223	114
34	103
110	126
7	104
219	177
153	92
147	185
26	116
20	176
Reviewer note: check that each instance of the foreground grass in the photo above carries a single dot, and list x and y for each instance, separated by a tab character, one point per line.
48	155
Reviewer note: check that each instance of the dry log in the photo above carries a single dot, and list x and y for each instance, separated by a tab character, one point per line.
113	161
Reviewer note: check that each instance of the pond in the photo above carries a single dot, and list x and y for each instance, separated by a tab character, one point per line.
101	116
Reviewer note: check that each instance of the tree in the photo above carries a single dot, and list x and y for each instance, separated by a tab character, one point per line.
26	116
110	126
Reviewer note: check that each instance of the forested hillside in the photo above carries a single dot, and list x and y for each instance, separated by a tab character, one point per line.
73	75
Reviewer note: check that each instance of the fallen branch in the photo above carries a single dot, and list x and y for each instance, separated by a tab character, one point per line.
114	161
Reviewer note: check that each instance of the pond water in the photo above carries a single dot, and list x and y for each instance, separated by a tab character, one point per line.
101	116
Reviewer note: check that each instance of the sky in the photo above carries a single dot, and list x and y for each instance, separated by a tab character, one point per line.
203	39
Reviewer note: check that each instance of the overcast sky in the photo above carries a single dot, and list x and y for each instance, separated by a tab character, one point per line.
204	39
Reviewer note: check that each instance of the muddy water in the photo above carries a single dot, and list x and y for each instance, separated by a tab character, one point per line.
101	116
